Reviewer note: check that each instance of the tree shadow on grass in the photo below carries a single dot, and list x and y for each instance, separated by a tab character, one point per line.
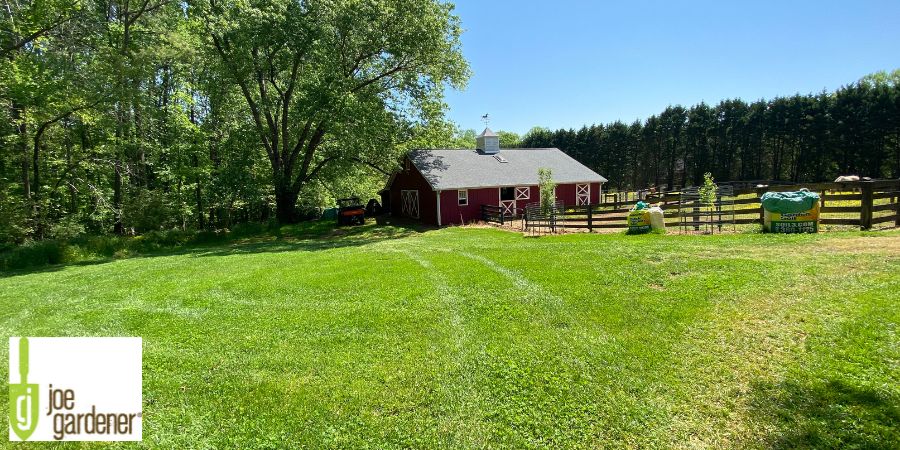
53	267
828	414
335	239
304	237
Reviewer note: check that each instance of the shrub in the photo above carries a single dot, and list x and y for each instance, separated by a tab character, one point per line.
709	189
14	220
246	229
548	190
66	229
147	211
156	240
207	237
35	254
100	245
82	247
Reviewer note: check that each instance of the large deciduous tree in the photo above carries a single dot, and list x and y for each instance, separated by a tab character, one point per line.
332	81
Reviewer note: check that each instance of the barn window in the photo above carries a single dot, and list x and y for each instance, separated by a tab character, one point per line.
522	193
508	193
463	196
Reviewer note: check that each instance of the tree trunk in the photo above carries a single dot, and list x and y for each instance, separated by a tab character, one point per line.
670	179
195	161
897	156
285	205
35	191
73	195
118	228
36	164
21	140
199	196
136	136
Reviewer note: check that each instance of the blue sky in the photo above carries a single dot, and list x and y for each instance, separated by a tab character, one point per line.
566	63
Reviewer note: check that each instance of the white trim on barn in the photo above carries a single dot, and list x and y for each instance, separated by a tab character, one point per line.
438	194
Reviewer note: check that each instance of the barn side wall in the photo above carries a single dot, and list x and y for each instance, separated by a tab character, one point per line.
452	213
566	193
409	178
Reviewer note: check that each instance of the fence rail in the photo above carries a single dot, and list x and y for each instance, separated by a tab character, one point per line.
492	214
747	209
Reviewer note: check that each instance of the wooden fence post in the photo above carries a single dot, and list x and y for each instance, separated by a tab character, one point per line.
897	212
590	218
695	211
762	213
865	213
895	199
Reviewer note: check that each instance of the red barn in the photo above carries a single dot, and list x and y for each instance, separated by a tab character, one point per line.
443	187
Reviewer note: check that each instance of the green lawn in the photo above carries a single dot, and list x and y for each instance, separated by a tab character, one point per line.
474	338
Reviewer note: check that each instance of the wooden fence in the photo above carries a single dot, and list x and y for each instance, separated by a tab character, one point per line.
492	214
860	204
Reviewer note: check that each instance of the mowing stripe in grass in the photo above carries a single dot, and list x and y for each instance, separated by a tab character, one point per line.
460	390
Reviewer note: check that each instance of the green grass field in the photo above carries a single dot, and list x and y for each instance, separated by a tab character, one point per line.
388	337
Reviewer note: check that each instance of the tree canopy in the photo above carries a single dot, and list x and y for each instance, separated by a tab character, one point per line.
333	81
131	116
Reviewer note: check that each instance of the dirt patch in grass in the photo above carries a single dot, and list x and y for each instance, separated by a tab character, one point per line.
861	245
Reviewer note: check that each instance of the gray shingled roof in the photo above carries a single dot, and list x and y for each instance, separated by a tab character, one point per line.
463	169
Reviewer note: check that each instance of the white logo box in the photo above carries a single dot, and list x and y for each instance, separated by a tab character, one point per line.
103	373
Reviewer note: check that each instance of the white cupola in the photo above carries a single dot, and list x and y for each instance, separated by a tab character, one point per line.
488	142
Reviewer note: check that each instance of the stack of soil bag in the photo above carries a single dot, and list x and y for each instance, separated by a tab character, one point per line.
791	212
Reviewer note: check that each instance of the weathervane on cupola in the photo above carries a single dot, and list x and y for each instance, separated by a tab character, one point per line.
487	142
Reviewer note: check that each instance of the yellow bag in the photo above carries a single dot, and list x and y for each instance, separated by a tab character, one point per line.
802	222
638	221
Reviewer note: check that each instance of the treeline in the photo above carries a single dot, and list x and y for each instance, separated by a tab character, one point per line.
806	138
130	116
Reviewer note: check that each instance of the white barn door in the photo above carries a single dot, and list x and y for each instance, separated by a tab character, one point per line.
409	203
